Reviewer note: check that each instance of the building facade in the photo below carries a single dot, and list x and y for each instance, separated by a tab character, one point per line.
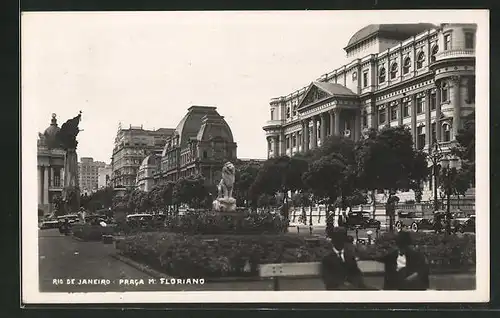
103	176
131	146
88	174
418	75
145	175
201	143
50	166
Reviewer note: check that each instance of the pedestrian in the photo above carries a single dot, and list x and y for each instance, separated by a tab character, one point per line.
340	269
405	267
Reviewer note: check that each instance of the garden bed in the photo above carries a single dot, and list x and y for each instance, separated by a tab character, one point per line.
211	256
445	253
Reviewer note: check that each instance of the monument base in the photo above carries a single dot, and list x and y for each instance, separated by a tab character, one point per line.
224	205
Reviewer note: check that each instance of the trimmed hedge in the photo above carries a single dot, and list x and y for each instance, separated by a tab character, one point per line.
443	251
213	223
181	255
89	232
218	256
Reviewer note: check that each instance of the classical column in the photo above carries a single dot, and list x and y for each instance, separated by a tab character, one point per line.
315	133
332	122
414	119
401	103
357	125
323	128
51	176
428	132
46	185
337	121
282	143
276	146
40	185
306	135
456	104
438	112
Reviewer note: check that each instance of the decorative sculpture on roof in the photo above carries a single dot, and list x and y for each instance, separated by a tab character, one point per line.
69	131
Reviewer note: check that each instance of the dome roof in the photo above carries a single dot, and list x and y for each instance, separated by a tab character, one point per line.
50	134
189	126
391	31
149	160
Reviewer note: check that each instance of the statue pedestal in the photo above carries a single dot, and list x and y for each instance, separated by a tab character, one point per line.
224	205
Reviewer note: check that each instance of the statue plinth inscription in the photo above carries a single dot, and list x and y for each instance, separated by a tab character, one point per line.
225	201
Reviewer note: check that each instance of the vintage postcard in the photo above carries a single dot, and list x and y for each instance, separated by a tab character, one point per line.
274	156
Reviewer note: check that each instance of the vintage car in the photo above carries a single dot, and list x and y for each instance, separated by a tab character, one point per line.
139	219
413	220
464	223
49	224
361	220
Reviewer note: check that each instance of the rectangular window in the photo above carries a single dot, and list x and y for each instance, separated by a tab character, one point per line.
447	42
433	132
406	109
287	142
381	116
420	137
394	112
365	79
272	114
471	91
469	40
294	141
433	101
288	112
420	105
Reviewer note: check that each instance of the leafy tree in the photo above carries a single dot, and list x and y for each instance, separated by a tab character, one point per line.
325	177
59	205
246	174
190	190
466	149
386	160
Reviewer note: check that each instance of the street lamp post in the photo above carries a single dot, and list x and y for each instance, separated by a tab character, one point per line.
449	173
435	155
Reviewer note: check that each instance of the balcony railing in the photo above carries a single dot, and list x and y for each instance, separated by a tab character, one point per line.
449	54
273	123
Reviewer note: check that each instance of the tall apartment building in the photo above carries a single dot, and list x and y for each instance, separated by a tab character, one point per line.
104	176
88	174
132	145
418	75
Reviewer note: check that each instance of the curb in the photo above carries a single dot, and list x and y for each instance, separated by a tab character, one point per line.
143	268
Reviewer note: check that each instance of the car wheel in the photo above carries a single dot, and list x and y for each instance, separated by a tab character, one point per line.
399	226
414	227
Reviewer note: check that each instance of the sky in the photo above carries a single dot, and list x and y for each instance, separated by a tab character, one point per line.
148	68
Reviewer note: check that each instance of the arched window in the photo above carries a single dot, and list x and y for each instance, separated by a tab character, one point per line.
446	132
381	75
434	51
406	65
420	60
445	92
394	70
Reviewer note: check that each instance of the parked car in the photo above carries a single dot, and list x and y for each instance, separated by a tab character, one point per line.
49	224
362	220
412	220
139	219
464	224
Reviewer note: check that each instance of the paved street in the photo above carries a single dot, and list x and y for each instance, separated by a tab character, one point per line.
62	258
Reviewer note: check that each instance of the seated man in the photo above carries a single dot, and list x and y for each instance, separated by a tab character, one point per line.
405	268
340	268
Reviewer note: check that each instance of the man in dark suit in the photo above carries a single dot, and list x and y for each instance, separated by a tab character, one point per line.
405	268
340	268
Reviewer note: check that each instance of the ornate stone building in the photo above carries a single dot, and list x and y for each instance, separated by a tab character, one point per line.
418	75
50	166
201	143
145	175
131	146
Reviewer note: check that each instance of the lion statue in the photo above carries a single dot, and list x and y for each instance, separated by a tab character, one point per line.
227	182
